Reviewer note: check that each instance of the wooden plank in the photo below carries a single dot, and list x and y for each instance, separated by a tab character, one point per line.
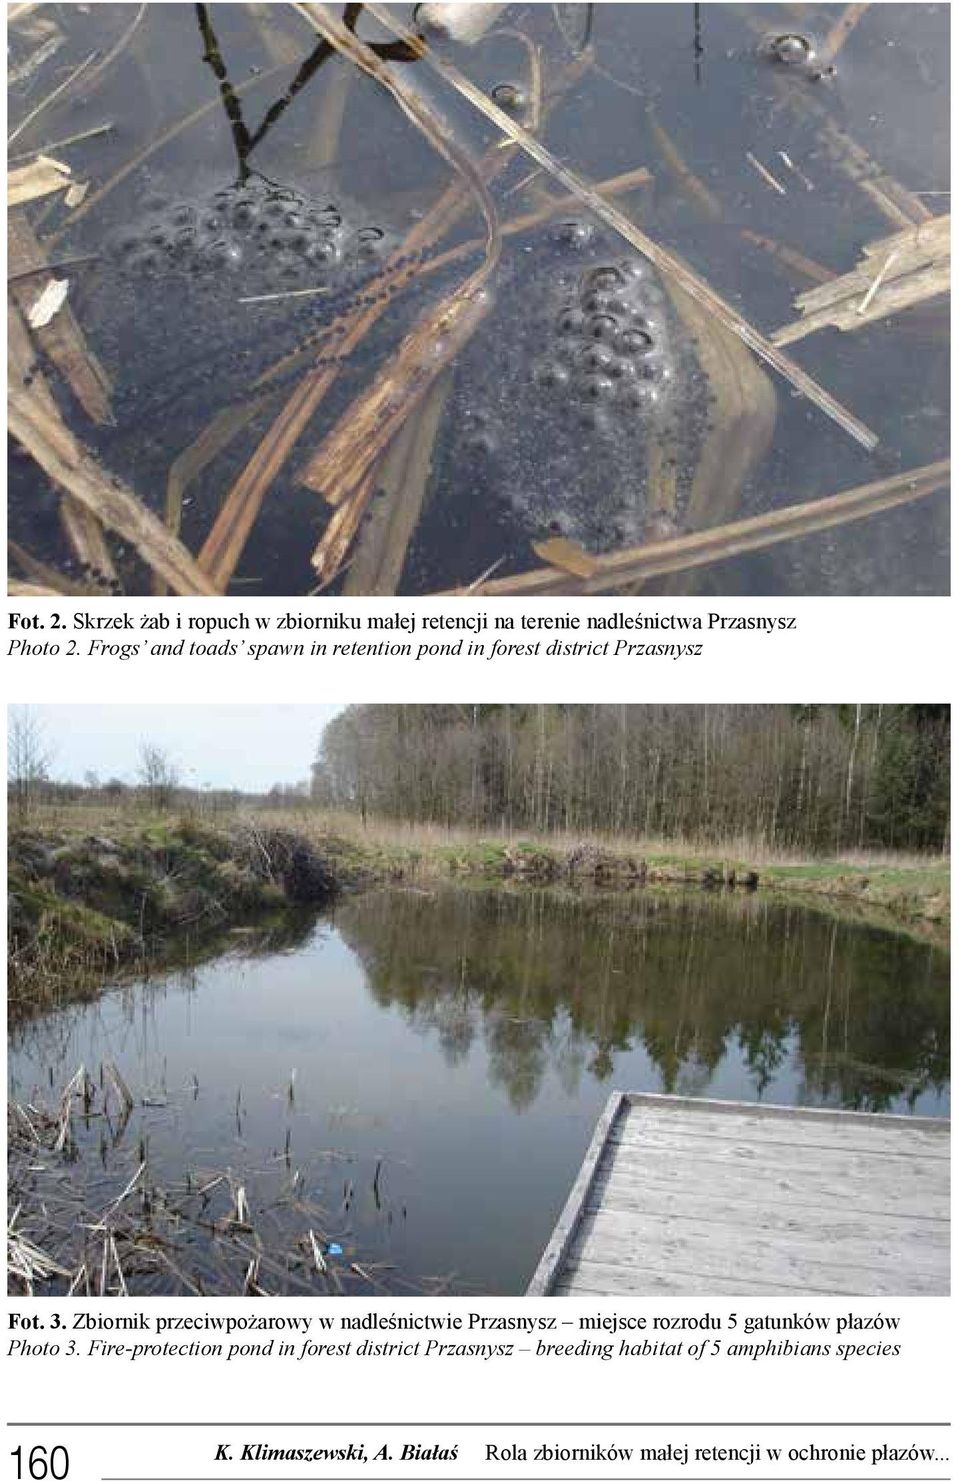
565	1231
604	1280
634	1131
828	1173
614	1280
664	1182
634	1237
628	1193
766	1110
807	1278
686	1196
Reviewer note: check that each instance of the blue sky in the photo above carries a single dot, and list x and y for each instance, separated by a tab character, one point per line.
245	746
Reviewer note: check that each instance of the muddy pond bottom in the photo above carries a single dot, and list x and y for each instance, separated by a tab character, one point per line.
413	1080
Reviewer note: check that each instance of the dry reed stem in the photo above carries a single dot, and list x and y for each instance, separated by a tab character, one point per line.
61	457
664	260
62	340
94	133
667	557
802	264
402	479
32	182
839	33
83	531
331	552
352	446
45	576
214	438
31	589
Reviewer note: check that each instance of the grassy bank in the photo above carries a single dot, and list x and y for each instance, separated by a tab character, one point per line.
91	891
85	903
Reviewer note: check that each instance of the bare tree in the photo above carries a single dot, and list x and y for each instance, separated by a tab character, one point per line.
158	775
28	760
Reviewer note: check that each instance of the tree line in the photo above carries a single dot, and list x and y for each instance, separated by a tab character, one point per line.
815	778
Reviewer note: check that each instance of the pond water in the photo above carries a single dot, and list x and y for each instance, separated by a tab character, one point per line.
428	1065
605	410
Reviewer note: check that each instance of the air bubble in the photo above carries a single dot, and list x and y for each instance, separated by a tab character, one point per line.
791	49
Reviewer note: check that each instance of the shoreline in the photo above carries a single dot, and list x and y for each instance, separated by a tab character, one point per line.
85	904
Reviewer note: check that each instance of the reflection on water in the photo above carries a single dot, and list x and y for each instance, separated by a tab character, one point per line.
248	162
452	1049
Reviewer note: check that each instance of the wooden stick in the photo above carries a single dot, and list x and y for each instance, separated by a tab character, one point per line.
627	568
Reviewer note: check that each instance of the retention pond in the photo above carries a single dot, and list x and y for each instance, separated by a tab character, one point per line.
414	1078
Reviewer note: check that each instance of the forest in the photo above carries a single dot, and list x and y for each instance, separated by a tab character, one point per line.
812	778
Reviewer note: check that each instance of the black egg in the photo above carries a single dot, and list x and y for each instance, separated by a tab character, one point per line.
596	388
596	357
602	327
570	321
607	279
596	301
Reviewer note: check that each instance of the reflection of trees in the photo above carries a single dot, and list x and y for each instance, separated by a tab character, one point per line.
551	981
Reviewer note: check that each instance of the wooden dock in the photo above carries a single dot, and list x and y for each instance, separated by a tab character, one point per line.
691	1197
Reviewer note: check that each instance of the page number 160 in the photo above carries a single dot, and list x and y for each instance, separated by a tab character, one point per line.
41	1464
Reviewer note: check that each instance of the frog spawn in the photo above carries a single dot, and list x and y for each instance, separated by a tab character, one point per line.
270	236
610	350
580	384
